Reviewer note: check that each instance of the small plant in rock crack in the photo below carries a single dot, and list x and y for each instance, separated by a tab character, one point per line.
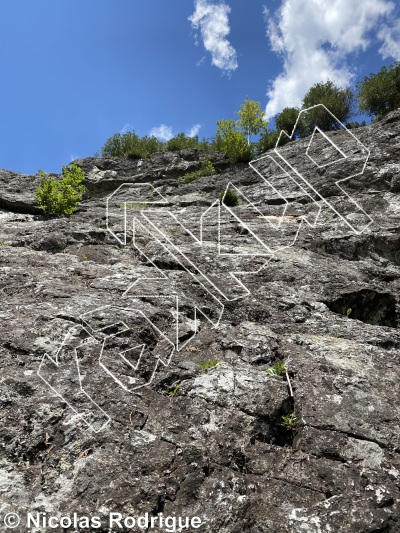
289	422
343	320
172	390
229	198
206	169
4	244
279	369
206	365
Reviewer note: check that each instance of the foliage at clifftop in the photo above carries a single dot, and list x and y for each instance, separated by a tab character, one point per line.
377	95
61	197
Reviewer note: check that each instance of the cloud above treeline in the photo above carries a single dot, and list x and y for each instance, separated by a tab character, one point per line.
162	132
127	127
194	130
165	133
212	20
315	38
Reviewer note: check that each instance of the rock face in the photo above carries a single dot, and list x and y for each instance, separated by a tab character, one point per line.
102	413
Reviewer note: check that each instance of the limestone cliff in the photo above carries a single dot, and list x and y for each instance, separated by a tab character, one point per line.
200	431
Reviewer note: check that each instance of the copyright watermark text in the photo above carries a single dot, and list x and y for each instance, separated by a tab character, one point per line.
115	521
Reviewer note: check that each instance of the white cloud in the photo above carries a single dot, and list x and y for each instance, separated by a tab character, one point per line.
126	128
390	36
213	21
314	38
194	130
163	132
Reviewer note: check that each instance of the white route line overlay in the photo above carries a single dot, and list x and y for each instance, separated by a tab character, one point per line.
155	232
304	180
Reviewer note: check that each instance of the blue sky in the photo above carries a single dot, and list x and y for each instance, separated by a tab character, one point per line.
75	72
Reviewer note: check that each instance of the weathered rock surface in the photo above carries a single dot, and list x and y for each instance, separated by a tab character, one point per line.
195	441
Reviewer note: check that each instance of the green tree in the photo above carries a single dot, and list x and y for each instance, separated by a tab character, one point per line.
340	103
151	145
233	142
225	127
287	119
119	144
380	93
182	141
61	197
267	140
130	145
355	124
251	120
207	144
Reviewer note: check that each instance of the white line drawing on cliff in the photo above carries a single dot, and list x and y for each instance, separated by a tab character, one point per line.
302	179
143	225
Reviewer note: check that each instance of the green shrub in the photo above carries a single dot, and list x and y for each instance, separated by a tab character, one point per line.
61	197
289	422
136	153
208	145
380	93
233	142
354	124
119	144
205	365
229	198
279	369
237	148
130	145
268	141
340	103
207	169
181	142
172	390
151	145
